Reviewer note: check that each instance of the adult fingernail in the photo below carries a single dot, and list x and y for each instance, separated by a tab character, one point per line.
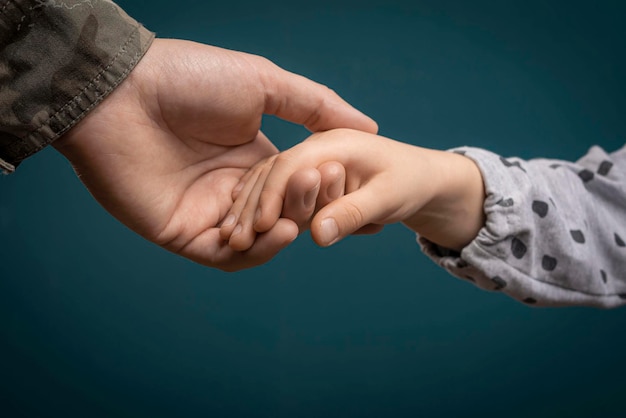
329	232
230	219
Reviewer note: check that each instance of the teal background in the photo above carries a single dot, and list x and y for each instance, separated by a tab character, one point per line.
97	322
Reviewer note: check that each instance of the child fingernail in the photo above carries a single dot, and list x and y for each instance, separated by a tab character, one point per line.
237	230
257	215
230	219
329	232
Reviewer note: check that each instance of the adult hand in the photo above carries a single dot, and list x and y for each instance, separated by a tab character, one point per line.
164	151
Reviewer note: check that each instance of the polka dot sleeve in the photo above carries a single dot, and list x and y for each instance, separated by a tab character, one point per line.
555	231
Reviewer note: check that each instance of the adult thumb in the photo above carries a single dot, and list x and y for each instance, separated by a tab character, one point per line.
299	100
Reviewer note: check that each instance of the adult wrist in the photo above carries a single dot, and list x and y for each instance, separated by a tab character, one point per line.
57	64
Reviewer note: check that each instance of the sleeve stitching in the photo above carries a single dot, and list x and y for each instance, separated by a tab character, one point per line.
77	98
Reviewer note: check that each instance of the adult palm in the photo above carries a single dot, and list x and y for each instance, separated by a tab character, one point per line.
163	152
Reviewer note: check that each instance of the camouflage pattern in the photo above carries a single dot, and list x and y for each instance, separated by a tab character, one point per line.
58	59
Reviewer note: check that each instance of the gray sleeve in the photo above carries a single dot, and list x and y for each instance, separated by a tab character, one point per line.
555	231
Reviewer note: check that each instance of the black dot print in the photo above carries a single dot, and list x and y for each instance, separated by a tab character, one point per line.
622	295
499	282
586	175
603	274
540	208
619	241
578	236
605	167
505	203
555	166
548	263
508	163
518	248
530	301
459	151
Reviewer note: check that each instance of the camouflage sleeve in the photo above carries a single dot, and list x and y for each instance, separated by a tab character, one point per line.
58	60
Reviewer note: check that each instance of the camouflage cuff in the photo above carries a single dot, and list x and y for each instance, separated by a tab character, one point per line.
58	60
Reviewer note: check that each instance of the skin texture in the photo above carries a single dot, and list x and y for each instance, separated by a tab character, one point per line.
438	194
164	151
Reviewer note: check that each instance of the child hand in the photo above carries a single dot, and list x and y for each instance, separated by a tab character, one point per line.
306	189
437	194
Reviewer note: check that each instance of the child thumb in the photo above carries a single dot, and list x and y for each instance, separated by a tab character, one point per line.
345	216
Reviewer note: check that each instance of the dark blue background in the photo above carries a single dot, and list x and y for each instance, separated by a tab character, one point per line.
95	321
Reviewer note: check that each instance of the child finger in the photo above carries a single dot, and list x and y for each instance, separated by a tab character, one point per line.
285	189
300	196
242	182
232	218
277	188
253	171
244	233
333	183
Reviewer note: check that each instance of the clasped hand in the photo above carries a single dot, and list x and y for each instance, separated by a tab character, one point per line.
165	150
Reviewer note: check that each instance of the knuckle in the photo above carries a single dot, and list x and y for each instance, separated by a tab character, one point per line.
313	120
354	215
327	90
285	158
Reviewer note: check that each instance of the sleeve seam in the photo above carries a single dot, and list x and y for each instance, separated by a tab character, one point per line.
93	84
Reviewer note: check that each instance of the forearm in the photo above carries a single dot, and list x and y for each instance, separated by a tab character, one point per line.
57	62
554	230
